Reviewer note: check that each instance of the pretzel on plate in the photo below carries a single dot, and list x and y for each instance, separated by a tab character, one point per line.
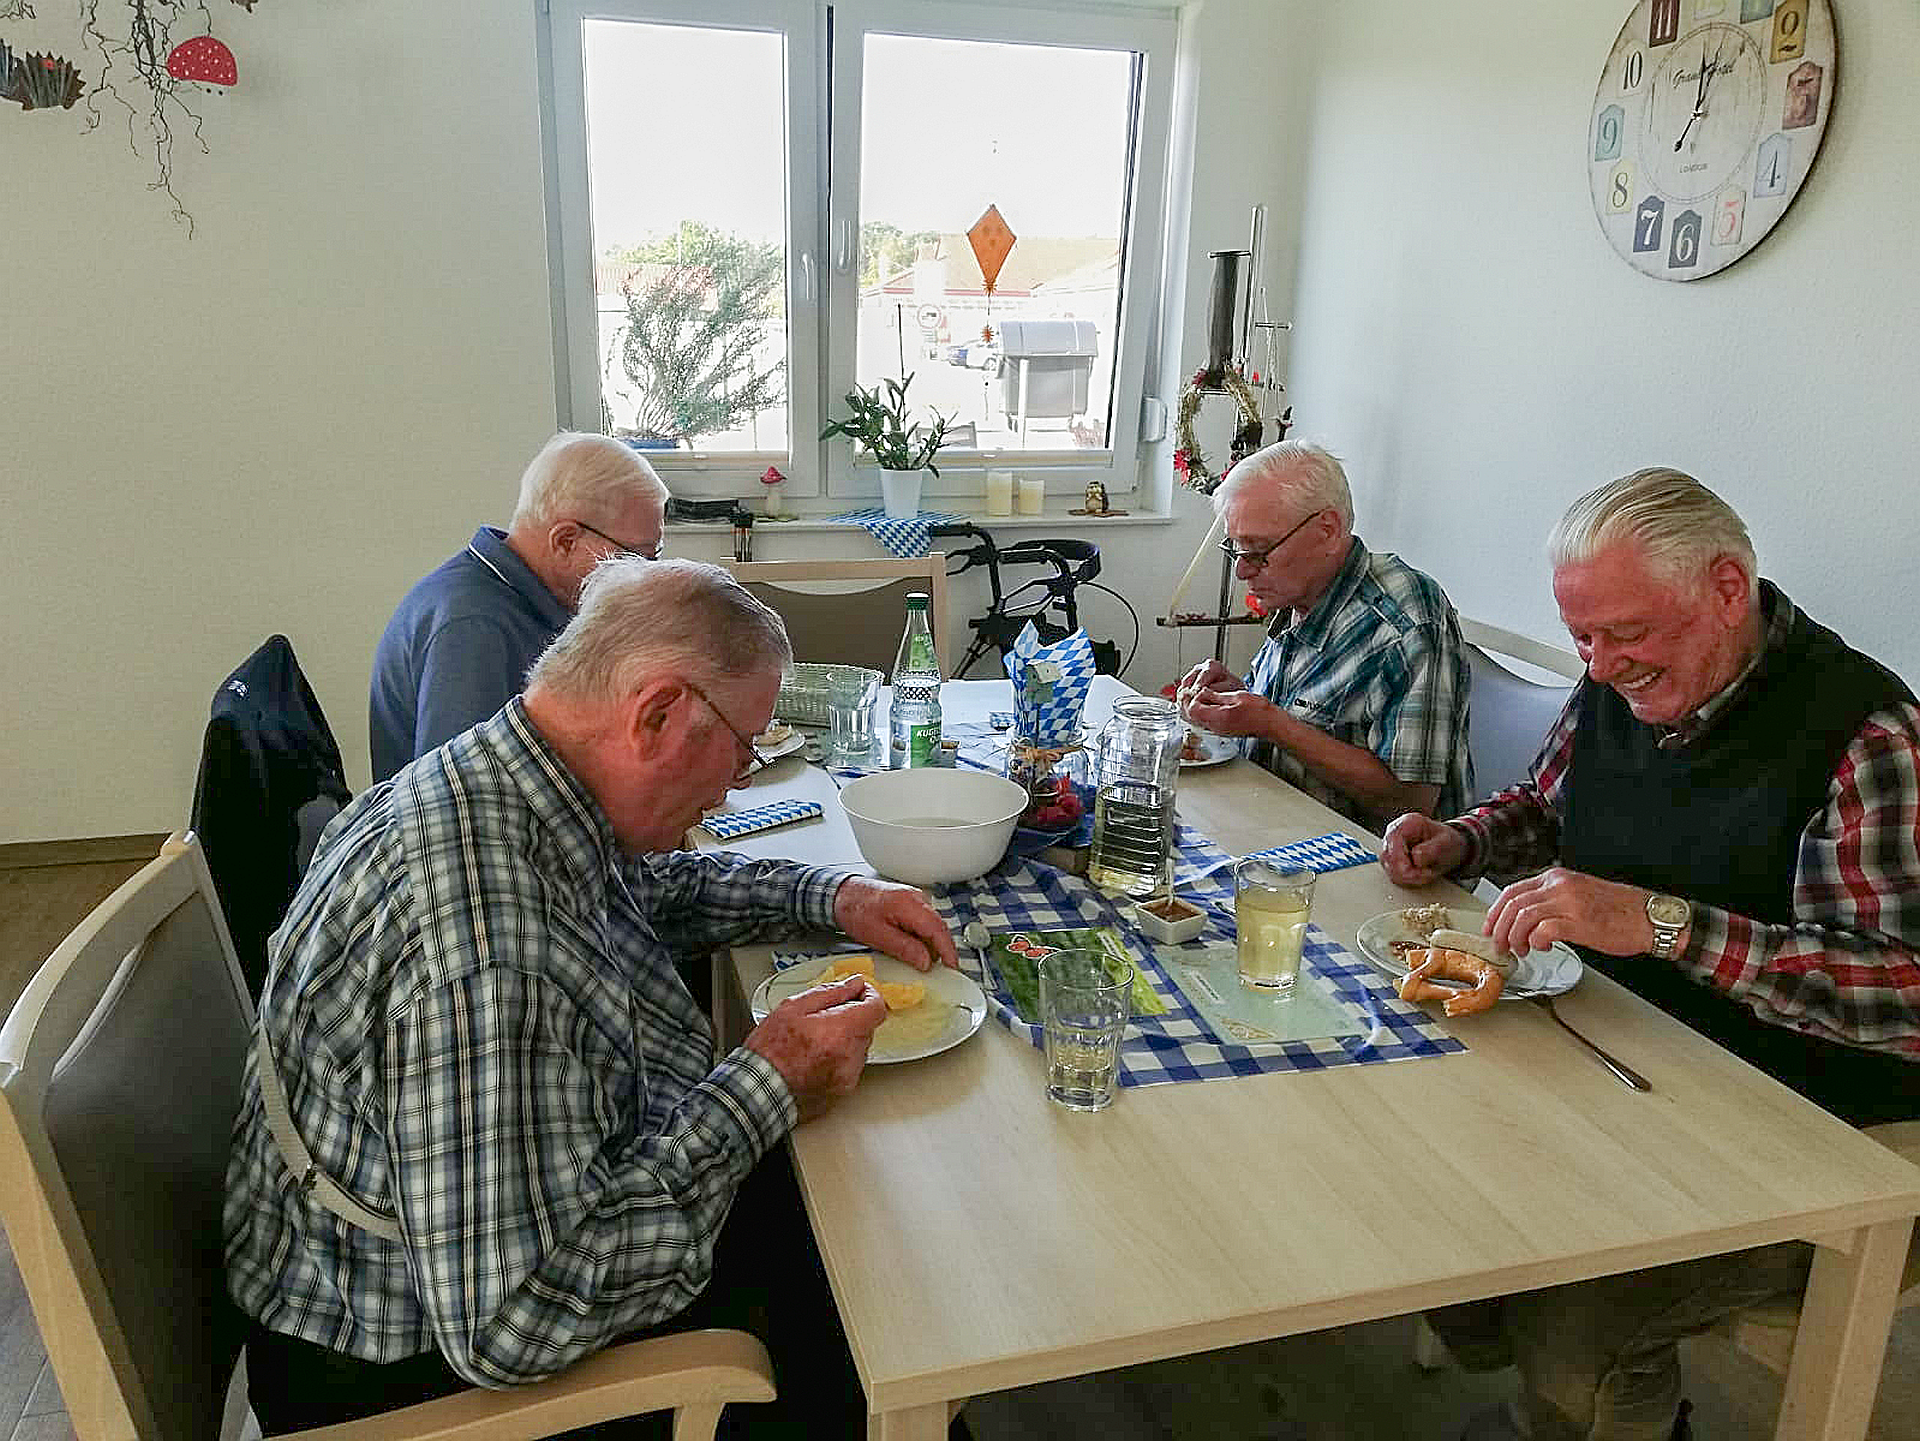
1484	979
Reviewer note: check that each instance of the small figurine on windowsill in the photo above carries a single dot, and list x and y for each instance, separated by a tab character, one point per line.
1096	502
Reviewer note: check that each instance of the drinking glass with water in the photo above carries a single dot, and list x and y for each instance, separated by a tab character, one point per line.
1085	999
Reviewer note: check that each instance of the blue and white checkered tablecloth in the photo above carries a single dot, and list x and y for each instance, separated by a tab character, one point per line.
1026	895
905	538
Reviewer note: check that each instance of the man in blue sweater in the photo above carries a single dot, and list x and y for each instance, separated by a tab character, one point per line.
459	646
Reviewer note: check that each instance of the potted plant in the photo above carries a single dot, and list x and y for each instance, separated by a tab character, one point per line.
877	424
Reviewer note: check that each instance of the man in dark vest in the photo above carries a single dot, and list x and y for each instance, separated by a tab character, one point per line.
1724	821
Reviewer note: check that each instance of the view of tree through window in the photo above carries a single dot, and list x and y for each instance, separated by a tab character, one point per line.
689	239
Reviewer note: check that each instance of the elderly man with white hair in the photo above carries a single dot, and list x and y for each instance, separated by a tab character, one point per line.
460	642
485	1131
1724	820
1359	694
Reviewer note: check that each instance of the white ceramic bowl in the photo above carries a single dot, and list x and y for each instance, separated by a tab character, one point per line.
932	825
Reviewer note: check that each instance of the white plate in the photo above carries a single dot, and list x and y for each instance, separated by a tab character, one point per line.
1551	972
952	1011
792	742
1215	749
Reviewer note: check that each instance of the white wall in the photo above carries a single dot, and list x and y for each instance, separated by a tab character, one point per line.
1474	347
282	421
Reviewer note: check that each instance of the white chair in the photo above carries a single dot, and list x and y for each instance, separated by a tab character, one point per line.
1511	713
119	1081
850	611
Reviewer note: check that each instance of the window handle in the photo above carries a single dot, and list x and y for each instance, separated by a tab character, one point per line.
806	295
842	245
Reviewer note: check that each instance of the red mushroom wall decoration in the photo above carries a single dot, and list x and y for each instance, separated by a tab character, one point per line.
203	60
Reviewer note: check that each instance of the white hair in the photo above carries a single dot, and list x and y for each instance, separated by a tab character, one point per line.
1296	470
579	476
1680	527
644	618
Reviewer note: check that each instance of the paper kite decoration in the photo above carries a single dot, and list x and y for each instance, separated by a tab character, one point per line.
992	240
38	82
203	60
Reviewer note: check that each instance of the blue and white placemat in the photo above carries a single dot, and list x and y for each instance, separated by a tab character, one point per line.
1027	895
1335	851
731	825
904	538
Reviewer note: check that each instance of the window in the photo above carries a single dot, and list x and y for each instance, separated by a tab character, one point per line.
759	203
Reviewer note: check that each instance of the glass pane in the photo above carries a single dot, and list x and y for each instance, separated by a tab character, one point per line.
686	157
1045	135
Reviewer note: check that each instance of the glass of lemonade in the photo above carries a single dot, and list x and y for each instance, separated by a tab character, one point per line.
1085	999
1272	901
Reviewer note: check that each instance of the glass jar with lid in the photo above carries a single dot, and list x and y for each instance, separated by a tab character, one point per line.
1136	771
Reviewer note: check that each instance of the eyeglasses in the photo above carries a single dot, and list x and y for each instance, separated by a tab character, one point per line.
757	762
621	545
1258	558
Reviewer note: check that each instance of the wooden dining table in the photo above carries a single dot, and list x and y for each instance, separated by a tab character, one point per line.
978	1237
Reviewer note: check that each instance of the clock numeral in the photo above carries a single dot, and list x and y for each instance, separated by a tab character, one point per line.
1789	31
1620	189
1685	249
1606	133
1803	96
1755	10
1646	223
1663	22
1633	71
1728	213
1770	166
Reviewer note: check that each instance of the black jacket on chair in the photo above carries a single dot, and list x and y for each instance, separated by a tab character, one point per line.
270	778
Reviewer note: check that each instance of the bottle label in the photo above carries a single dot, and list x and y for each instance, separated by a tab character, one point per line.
923	744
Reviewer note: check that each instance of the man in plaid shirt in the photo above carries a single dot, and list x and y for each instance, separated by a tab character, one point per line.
1359	695
1725	820
524	1147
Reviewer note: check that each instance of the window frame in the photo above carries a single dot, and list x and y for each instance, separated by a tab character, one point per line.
824	59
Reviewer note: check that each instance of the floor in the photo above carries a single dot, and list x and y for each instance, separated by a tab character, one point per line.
1354	1383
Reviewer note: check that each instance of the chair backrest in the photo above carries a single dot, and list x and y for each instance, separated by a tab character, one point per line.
851	611
1511	714
119	1081
270	779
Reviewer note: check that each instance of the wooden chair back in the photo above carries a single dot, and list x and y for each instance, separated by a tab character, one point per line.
850	611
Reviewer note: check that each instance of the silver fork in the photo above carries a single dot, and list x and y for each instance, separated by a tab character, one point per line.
1630	1076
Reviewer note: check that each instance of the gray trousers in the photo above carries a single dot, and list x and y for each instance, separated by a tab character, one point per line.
1599	1360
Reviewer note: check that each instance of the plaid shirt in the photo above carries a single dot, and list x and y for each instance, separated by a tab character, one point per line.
475	1009
1379	664
1856	886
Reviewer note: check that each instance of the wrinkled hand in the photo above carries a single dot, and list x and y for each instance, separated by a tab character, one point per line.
1418	849
1209	675
818	1040
1232	712
1563	905
896	919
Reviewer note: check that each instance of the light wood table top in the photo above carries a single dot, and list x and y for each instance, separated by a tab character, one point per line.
979	1238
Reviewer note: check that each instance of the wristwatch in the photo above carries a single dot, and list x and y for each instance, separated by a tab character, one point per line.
1669	915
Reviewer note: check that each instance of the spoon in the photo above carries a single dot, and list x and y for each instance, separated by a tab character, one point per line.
976	935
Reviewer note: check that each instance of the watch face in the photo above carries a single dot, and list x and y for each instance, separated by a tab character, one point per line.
1668	911
1705	122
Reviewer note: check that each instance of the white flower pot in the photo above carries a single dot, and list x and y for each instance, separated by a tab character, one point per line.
900	490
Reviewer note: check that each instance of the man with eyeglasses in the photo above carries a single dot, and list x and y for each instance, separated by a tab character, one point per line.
459	645
1359	694
485	1131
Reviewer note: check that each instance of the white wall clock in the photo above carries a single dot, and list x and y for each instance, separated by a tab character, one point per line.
1707	118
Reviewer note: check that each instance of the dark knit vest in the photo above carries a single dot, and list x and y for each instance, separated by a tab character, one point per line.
1719	822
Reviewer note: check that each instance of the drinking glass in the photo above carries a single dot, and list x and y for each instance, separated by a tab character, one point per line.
1085	999
853	693
1272	902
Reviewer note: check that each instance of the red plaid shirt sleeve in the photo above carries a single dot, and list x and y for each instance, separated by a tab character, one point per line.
1517	831
1848	966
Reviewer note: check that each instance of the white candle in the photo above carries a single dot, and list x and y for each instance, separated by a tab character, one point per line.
1033	494
999	492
